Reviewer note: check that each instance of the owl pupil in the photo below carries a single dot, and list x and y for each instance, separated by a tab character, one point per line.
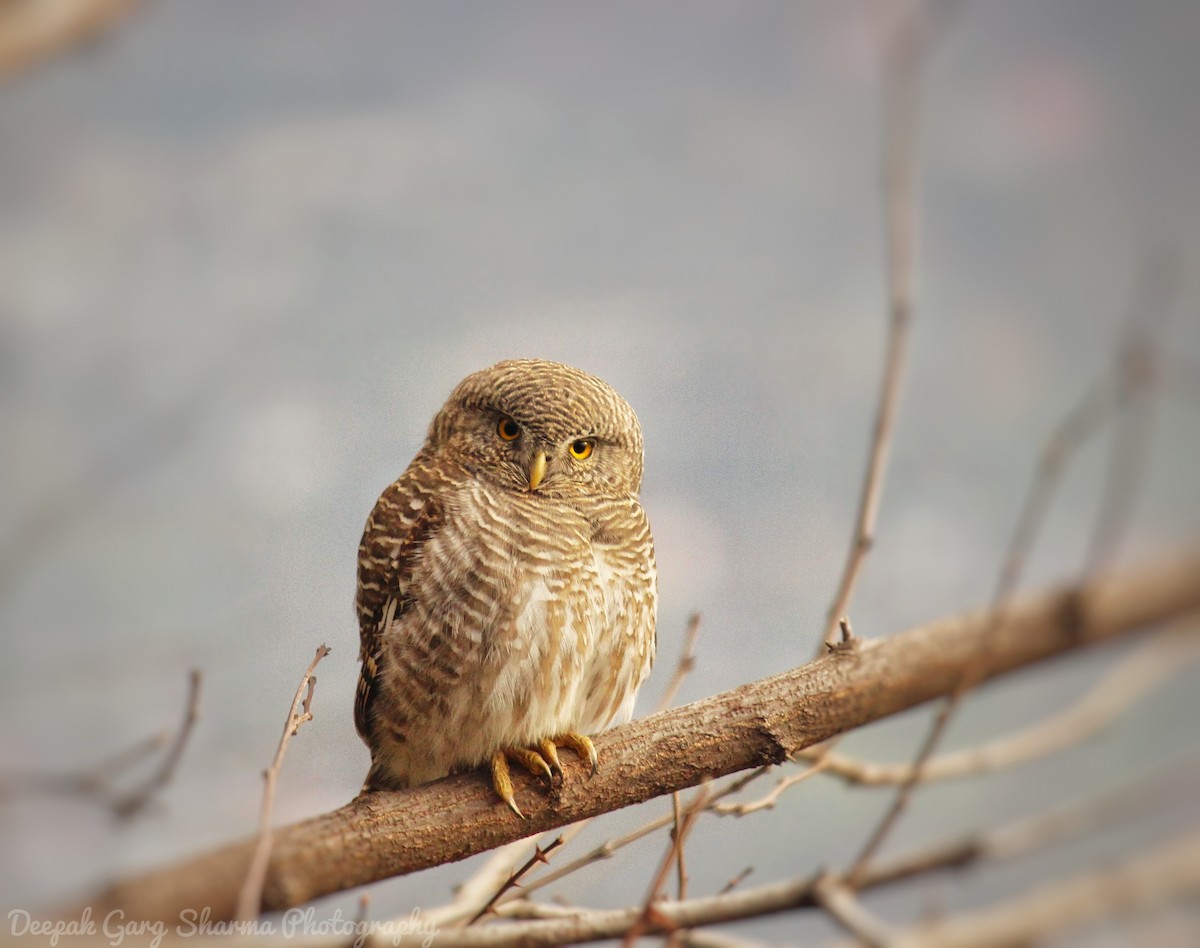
509	430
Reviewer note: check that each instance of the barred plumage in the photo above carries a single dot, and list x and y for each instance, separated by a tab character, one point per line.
506	599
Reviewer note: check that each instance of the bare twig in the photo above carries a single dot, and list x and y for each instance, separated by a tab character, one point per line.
705	939
736	880
96	781
136	800
1170	786
906	55
250	895
686	664
482	886
649	918
699	939
539	855
821	756
839	900
1098	407
1135	373
93	782
676	938
611	846
1167	873
680	866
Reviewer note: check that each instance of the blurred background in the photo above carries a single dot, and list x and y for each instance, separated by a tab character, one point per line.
246	250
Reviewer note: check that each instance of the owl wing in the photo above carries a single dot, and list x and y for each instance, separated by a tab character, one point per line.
404	517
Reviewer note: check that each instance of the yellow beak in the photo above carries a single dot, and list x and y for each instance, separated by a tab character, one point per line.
537	470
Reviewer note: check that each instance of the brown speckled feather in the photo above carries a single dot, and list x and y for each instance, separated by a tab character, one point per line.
404	516
494	613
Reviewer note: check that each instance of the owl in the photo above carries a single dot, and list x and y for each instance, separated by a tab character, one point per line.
507	589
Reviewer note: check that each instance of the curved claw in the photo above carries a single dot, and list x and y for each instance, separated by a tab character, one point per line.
539	760
582	745
502	782
531	760
549	753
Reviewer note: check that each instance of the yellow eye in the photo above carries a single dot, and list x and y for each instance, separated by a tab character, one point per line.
508	429
581	450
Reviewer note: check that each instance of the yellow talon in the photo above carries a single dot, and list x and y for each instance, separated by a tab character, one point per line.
581	745
530	759
502	782
541	760
550	753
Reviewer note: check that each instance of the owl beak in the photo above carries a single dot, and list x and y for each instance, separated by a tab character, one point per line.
537	470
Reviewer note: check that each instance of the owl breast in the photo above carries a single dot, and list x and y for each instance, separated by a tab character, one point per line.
522	623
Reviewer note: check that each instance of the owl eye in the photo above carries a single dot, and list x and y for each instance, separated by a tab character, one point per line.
508	429
581	450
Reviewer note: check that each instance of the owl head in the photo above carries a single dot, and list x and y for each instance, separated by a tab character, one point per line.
534	426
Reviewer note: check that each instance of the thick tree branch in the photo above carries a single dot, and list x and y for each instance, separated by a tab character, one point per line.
388	834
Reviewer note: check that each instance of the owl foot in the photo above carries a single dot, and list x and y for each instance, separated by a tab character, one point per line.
540	761
579	743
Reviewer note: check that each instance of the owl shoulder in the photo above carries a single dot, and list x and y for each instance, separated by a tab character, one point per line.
405	516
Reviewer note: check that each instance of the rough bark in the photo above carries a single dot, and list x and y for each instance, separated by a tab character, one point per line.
389	834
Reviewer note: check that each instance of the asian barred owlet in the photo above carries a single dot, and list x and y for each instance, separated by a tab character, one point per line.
506	582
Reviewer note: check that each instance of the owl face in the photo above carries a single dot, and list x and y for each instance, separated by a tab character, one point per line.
533	426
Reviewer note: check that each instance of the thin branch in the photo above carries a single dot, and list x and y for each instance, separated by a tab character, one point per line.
703	939
384	834
1002	843
96	781
1160	876
611	846
1169	786
681	875
250	897
686	664
906	56
690	937
136	800
737	880
784	784
514	879
483	886
1098	407
93	782
1136	373
839	900
649	919
1168	873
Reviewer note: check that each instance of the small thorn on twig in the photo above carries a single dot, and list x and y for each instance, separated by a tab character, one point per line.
249	903
848	642
514	878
